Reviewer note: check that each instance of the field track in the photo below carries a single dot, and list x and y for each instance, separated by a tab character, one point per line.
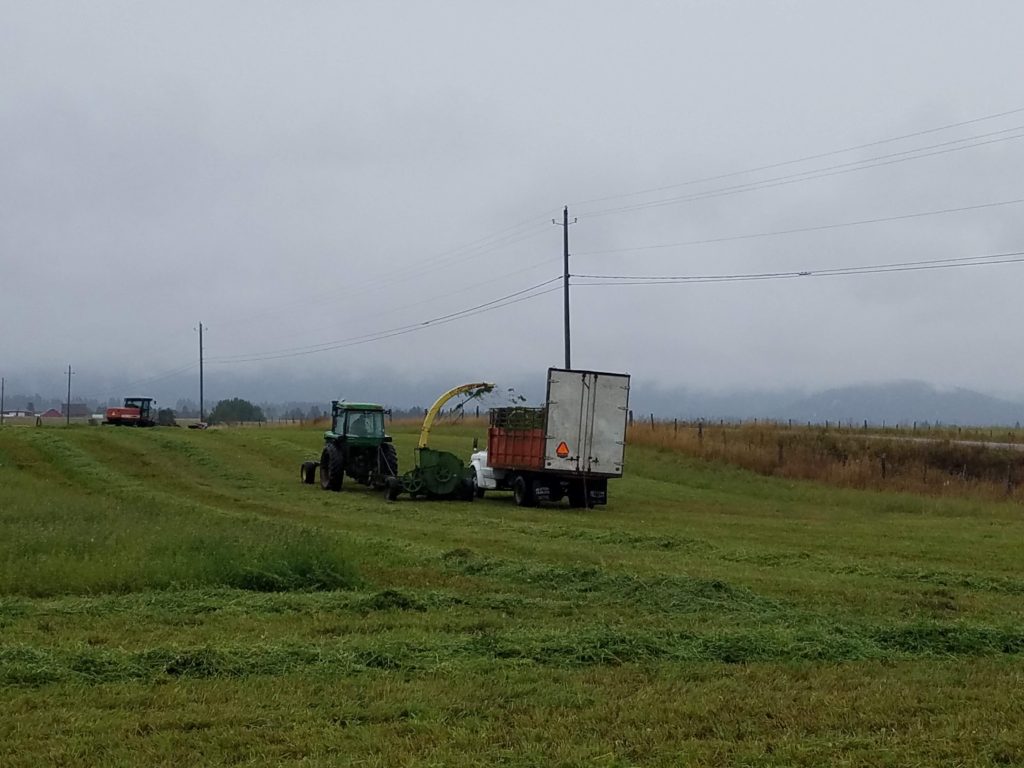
172	596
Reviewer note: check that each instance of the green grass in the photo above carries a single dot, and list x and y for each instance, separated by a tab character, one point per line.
178	596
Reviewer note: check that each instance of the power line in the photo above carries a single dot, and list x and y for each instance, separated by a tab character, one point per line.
443	260
503	301
471	286
147	380
818	228
565	284
68	414
202	413
804	159
380	337
820	173
1012	257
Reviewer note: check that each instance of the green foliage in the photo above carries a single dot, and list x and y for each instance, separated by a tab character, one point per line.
235	411
166	417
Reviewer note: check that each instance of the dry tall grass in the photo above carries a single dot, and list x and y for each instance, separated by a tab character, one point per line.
939	463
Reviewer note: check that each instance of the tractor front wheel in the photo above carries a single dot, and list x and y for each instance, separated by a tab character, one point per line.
308	472
332	469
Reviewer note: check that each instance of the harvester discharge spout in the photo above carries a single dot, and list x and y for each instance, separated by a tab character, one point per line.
438	474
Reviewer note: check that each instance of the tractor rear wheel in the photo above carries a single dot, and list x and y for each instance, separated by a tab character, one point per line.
387	460
332	469
522	492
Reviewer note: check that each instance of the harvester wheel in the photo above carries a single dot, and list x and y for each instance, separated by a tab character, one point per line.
332	469
413	482
387	457
308	472
522	492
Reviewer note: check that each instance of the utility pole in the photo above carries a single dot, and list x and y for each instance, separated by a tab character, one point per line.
565	280
202	412
67	415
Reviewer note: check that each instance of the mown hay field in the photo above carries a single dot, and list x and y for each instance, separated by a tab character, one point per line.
177	597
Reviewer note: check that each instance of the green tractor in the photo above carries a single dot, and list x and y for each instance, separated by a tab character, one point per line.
356	446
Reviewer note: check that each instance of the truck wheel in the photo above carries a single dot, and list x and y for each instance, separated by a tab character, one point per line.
332	469
522	492
478	492
577	495
308	472
387	460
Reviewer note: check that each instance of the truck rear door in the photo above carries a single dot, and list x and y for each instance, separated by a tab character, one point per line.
586	421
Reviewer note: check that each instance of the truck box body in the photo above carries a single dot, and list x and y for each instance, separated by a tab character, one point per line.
515	448
581	431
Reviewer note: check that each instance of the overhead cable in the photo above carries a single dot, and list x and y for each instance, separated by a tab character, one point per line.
803	159
512	298
817	228
1011	257
878	161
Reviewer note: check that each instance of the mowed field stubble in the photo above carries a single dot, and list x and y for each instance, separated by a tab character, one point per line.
177	597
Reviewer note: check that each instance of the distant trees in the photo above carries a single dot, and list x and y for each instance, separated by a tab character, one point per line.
235	410
187	409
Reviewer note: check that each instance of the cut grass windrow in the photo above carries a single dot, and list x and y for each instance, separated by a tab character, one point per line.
34	666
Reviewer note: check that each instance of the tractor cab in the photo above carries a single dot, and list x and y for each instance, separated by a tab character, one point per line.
143	404
356	446
357	422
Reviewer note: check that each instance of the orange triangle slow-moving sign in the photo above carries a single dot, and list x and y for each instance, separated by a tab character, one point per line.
562	451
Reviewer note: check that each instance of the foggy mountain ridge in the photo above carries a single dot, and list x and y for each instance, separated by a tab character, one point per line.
896	402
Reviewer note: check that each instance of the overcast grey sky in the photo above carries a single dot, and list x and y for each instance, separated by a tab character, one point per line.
299	173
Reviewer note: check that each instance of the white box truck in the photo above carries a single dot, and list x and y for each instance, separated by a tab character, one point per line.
567	449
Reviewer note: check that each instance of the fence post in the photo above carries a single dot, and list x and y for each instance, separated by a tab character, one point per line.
883	466
675	426
700	433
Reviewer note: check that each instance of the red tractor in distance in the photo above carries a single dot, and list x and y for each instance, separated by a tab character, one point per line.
136	412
